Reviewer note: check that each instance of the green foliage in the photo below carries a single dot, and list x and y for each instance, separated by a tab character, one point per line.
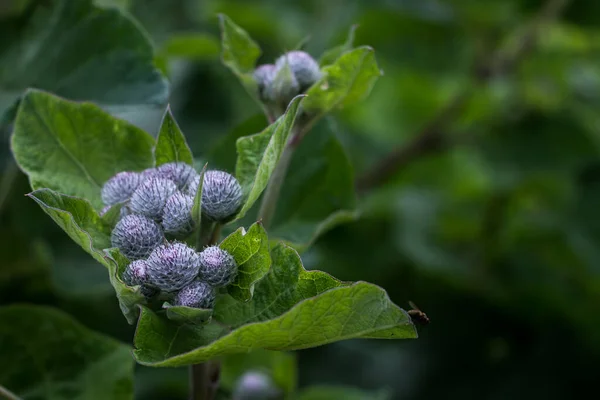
60	46
331	55
171	145
74	148
197	207
48	355
187	315
251	253
258	155
291	309
339	392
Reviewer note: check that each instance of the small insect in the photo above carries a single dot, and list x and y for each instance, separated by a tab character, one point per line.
417	315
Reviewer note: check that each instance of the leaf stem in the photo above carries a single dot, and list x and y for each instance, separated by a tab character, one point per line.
269	201
7	394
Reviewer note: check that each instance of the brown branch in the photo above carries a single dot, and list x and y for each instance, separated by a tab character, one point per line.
434	136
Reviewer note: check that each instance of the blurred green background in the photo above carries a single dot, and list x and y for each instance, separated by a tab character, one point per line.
494	232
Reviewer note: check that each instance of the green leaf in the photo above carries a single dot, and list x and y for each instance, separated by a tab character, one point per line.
83	225
75	147
48	355
280	366
331	55
171	145
318	192
197	207
191	46
291	309
187	315
258	155
251	253
239	51
345	82
326	392
82	52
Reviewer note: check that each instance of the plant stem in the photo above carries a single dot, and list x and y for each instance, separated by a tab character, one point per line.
204	377
269	201
7	394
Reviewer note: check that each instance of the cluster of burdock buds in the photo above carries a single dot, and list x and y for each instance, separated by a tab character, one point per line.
293	73
156	205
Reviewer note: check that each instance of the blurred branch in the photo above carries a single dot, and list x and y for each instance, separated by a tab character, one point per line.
434	136
7	394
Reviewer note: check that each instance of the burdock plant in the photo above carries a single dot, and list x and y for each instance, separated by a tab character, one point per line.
195	296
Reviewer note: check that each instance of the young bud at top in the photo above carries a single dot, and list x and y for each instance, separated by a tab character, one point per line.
217	266
177	215
304	67
197	294
179	172
136	236
221	195
264	76
255	385
150	197
135	273
120	187
172	266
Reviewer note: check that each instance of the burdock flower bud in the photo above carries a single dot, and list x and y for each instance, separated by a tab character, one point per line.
172	266
197	294
177	215
221	195
180	173
135	273
255	385
150	197
264	76
304	67
217	267
136	236
120	187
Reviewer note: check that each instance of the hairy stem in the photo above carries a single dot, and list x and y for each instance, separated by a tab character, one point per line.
271	196
204	378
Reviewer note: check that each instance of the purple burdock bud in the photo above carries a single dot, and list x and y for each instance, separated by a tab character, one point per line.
221	195
120	187
177	215
180	173
172	266
136	236
304	67
135	273
255	385
150	197
217	267
264	76
197	294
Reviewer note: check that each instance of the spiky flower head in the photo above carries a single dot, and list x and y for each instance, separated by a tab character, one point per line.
135	273
150	197
179	172
136	236
255	385
304	67
120	187
221	195
197	294
177	215
264	76
172	266
217	267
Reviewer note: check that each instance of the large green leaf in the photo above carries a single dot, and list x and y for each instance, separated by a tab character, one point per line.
75	147
344	82
81	222
318	192
258	155
251	252
291	309
239	52
171	145
79	51
329	56
48	355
